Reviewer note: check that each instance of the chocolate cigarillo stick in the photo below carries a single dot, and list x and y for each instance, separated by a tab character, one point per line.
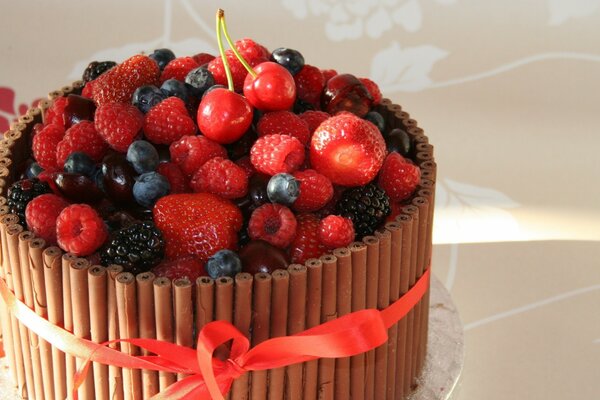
9	342
326	388
128	328
115	374
359	364
296	324
81	316
67	258
429	195
395	255
97	289
224	310
313	318
241	319
36	265
406	223
260	329
34	342
279	316
145	305
383	300
344	306
205	302
163	313
184	314
54	298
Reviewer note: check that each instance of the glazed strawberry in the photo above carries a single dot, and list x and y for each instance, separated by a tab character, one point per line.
119	124
41	214
81	137
197	224
273	154
55	113
313	119
273	223
118	84
177	180
168	121
178	68
44	146
398	177
336	231
191	152
309	84
222	177
373	90
306	244
347	149
183	267
316	190
283	123
80	230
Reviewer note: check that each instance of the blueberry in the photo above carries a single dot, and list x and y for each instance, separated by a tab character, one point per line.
173	87
213	87
283	189
150	187
162	57
147	96
199	80
33	170
376	119
223	263
399	141
143	156
290	59
79	163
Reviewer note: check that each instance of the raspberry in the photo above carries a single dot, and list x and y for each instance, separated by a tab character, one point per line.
313	119
306	244
203	58
81	137
22	192
336	231
80	230
178	68
191	152
119	124
175	176
328	73
246	165
252	52
396	209
222	177
283	123
274	224
88	90
373	90
44	146
41	214
168	121
398	177
251	49
118	84
309	84
316	190
183	267
274	154
55	113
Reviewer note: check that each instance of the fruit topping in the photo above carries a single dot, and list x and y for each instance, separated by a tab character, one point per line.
162	57
96	68
184	267
77	109
313	119
373	90
118	177
21	193
222	177
399	141
77	188
309	84
191	152
283	189
168	121
119	124
273	223
178	68
199	80
398	177
147	96
376	119
345	92
259	256
223	115
336	231
143	156
273	154
80	230
306	244
283	123
290	59
44	146
149	187
41	214
224	263
316	190
84	138
177	180
367	207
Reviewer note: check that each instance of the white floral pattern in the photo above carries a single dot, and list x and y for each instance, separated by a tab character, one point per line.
563	10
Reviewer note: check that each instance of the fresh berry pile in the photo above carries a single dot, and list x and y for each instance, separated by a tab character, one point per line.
213	164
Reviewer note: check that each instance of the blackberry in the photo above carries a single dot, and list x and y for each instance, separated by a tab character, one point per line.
137	248
21	193
97	68
366	206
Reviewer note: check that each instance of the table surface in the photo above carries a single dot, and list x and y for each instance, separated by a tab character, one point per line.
508	93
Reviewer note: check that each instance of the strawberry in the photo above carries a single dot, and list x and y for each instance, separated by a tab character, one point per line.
178	68
306	244
185	267
347	149
398	177
198	224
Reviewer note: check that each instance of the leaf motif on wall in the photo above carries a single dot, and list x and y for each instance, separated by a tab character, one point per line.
409	16
405	69
563	10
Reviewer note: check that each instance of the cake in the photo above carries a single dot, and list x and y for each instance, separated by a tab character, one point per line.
163	193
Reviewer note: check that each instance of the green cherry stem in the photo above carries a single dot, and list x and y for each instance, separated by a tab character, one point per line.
220	21
233	48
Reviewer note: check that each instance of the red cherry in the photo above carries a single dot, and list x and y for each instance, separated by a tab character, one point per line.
272	89
224	116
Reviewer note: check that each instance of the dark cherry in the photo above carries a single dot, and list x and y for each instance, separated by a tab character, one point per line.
78	109
118	177
163	153
242	147
345	92
257	190
260	256
399	141
77	188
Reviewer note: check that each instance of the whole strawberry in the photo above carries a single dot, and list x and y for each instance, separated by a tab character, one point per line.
119	124
118	84
347	149
398	177
197	224
168	121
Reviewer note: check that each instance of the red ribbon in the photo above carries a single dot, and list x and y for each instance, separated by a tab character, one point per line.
210	377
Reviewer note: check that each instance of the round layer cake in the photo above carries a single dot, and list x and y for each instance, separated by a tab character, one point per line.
135	206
